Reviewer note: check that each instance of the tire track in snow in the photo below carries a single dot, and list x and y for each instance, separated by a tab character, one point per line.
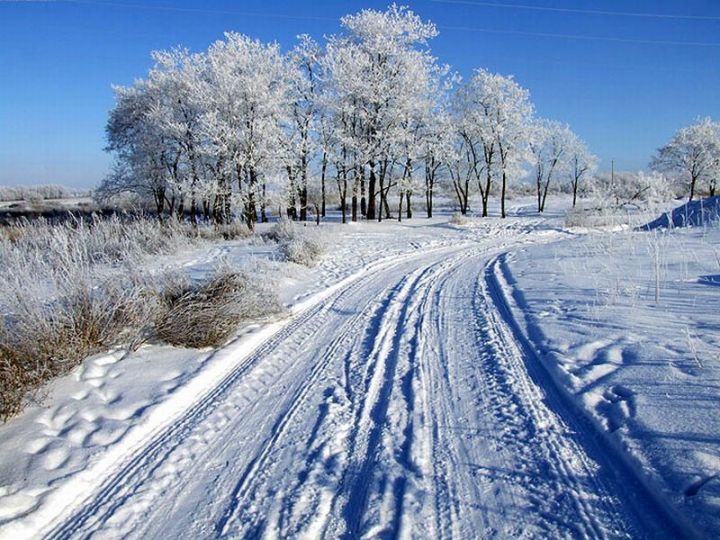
371	416
140	467
421	416
251	476
613	488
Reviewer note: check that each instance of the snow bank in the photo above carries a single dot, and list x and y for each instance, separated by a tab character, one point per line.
628	322
698	213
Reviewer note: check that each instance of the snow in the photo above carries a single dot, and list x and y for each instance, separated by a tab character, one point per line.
697	213
646	373
503	377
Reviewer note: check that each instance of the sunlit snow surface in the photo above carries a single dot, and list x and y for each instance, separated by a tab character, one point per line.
506	377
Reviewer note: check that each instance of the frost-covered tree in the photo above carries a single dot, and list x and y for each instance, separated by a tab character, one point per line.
249	103
460	163
143	158
302	142
243	126
175	82
693	155
493	114
436	148
629	189
581	164
377	70
550	144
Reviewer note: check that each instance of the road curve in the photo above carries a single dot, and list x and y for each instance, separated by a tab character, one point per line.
402	406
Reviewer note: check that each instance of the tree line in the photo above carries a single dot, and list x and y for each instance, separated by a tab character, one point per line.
243	128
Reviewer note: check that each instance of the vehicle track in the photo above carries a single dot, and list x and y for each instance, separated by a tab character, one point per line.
404	405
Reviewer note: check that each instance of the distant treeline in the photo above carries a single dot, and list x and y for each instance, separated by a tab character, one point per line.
39	192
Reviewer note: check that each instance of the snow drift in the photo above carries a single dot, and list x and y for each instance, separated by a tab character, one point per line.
697	213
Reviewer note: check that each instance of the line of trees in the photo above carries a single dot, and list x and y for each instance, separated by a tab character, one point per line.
244	128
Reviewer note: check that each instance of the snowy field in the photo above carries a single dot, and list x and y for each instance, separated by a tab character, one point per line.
510	378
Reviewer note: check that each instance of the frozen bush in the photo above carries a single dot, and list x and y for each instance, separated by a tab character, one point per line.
207	314
298	244
283	230
230	231
49	326
458	219
68	291
305	249
105	241
71	290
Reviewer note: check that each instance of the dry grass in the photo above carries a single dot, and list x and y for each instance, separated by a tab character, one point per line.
40	340
298	243
208	313
75	289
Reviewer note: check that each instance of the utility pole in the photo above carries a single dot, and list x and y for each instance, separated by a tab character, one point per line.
612	172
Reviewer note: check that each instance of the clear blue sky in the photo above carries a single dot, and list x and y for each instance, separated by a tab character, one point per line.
625	94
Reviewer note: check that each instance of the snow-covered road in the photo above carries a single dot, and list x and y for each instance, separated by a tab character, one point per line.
402	405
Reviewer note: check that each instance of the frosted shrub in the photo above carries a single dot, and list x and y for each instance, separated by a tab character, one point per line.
53	317
206	314
458	219
305	249
107	241
283	230
229	231
298	244
68	291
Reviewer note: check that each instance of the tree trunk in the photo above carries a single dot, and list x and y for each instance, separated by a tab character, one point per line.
193	212
409	206
692	188
159	196
342	189
370	212
544	198
400	206
382	197
428	195
206	209
303	189
263	214
502	195
363	200
575	190
322	183
250	206
485	194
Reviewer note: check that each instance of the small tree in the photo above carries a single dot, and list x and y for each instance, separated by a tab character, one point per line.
581	164
693	155
549	144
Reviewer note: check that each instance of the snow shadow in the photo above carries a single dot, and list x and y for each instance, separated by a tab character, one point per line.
699	213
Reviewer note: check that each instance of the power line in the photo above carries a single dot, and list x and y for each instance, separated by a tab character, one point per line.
199	10
581	11
579	36
582	37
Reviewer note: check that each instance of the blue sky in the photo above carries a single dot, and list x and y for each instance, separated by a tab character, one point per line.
625	94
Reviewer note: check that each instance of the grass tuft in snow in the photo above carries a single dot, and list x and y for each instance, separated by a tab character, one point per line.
298	244
71	290
206	314
458	219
